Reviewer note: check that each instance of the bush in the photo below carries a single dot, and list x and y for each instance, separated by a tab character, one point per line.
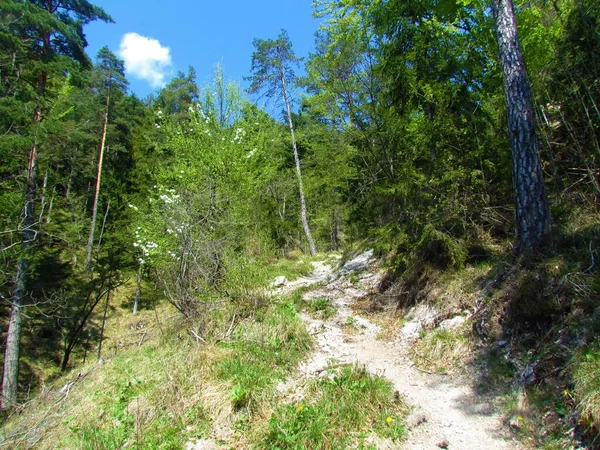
440	249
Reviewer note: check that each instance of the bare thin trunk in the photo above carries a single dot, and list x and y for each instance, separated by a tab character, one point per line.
138	290
13	339
106	305
532	215
43	199
50	206
335	231
104	223
80	323
309	238
90	244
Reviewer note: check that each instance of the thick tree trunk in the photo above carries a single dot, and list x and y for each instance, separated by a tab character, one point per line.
90	244
311	243
13	339
532	217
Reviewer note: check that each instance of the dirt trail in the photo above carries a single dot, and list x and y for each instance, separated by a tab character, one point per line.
445	411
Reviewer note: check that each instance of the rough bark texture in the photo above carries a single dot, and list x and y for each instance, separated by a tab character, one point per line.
532	217
311	243
13	339
90	244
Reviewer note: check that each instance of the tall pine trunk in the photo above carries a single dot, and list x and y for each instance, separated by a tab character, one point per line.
532	217
90	244
288	106
13	340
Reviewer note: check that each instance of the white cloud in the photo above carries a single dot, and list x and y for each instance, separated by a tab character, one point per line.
145	58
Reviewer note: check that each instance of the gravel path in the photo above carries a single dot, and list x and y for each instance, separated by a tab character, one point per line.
445	411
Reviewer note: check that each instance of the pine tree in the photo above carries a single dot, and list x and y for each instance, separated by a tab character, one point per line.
110	72
272	67
532	215
46	41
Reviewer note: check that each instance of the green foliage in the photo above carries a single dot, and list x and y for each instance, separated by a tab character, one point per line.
339	412
440	249
291	269
263	352
586	376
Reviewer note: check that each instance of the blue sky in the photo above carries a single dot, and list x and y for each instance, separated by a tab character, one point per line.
158	39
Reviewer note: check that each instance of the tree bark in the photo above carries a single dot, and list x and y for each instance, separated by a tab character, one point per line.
138	289
335	231
106	305
532	216
13	339
80	324
90	244
311	243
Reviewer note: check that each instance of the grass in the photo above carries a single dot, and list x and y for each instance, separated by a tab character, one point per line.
159	388
443	351
586	377
347	410
261	353
320	307
290	268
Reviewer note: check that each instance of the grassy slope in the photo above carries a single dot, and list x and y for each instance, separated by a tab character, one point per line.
159	387
531	337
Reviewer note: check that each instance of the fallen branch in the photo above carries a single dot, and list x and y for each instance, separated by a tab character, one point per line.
198	337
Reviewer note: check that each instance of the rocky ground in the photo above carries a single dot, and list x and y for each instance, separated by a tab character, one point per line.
445	411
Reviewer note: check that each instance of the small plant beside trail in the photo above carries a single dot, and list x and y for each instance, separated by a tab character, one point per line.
442	351
348	409
261	353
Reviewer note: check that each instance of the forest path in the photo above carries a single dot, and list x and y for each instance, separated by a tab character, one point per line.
446	412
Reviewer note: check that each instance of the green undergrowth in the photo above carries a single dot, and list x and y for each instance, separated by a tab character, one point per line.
348	410
586	383
291	268
161	388
261	353
530	339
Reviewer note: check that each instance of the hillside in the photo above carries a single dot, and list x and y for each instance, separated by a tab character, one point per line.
432	167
